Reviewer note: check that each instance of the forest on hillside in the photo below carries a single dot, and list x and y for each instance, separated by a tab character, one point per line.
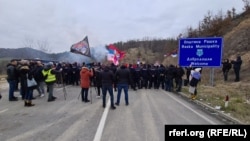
212	25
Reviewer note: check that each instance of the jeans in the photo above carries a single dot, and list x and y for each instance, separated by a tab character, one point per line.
12	85
106	89
169	84
125	89
29	94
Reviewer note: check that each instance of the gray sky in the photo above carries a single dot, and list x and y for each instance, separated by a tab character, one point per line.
63	22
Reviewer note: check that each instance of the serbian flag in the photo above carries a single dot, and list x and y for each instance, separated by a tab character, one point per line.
81	47
118	53
112	57
174	53
114	54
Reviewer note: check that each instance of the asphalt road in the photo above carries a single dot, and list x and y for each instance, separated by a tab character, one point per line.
149	110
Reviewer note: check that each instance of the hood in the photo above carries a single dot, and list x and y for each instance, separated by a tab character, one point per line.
85	69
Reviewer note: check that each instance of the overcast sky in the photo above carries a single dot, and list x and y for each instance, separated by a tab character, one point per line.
61	23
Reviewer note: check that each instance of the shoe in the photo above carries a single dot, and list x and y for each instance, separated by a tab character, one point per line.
103	106
113	107
0	96
25	103
98	96
42	95
87	101
13	99
117	104
191	96
30	104
54	97
127	104
50	100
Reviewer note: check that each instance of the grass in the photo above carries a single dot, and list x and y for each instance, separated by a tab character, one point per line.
238	92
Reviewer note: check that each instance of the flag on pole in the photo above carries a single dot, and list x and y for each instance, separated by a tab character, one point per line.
173	53
114	54
81	47
112	57
118	53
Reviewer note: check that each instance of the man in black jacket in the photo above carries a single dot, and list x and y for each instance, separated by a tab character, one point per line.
11	78
236	66
123	78
107	79
225	68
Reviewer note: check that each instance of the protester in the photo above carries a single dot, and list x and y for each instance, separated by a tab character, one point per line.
97	81
225	68
123	79
38	75
107	79
194	78
29	95
85	76
179	74
49	73
11	78
236	66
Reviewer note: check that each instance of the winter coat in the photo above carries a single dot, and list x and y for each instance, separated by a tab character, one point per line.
85	77
107	77
123	76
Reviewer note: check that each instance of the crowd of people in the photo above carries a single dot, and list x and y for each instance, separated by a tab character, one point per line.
106	78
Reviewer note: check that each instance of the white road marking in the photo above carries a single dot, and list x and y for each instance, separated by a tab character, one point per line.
100	128
210	121
3	110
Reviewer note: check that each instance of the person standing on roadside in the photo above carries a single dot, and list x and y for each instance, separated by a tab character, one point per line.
236	66
11	78
195	77
225	68
85	76
107	78
123	79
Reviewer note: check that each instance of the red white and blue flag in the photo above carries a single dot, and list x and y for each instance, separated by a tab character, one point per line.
114	54
81	47
173	53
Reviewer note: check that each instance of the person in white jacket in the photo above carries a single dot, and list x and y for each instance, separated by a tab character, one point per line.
194	78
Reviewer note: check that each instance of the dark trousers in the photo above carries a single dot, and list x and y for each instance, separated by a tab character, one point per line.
108	89
12	84
85	92
225	74
123	87
237	74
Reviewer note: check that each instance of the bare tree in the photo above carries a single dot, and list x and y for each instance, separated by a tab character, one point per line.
28	42
246	4
43	45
